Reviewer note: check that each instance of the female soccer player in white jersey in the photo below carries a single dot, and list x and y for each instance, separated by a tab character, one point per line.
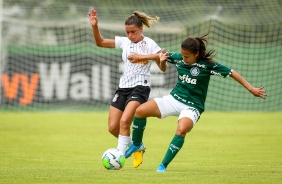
134	85
195	65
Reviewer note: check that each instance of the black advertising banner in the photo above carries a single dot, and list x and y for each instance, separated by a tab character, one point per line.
44	79
30	80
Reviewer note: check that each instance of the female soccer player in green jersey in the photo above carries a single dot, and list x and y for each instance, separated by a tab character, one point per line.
195	65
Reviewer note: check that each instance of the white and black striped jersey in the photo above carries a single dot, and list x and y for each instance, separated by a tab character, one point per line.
136	73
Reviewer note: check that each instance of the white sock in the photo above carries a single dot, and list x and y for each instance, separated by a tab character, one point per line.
123	142
130	142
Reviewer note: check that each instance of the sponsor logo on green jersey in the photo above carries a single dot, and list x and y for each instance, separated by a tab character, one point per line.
187	79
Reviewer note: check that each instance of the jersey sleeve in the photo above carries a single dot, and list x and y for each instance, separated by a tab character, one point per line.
220	70
173	57
155	47
119	41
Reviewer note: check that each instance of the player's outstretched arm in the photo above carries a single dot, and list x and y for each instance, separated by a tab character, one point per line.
100	41
134	58
258	92
163	55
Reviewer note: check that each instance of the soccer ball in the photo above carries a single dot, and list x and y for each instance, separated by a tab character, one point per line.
113	159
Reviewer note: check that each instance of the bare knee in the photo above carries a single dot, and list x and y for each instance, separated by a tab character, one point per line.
125	126
182	131
139	113
125	123
113	129
185	125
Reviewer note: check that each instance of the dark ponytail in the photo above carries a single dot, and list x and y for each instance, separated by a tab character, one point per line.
198	44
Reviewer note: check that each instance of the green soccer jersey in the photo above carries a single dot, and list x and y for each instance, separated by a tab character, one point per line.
193	80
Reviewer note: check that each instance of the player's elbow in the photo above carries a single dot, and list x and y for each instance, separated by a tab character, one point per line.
99	44
163	69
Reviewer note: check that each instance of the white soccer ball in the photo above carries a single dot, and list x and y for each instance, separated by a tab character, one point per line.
113	159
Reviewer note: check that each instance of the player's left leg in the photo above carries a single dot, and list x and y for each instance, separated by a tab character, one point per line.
186	121
184	126
125	123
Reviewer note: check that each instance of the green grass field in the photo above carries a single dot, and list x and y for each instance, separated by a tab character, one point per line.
224	147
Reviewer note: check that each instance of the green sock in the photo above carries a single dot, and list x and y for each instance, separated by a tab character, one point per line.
175	145
138	128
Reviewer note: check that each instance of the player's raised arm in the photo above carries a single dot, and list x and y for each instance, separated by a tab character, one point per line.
100	41
258	92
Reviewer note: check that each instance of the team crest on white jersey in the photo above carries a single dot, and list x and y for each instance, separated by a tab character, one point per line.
115	98
143	47
194	71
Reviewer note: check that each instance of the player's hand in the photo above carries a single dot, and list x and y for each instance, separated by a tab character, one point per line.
163	55
259	92
93	19
134	58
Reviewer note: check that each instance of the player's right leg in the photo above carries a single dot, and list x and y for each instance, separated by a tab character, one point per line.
148	109
116	110
113	121
138	156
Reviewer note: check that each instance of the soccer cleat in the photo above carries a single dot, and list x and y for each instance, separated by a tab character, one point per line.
138	156
161	168
142	147
133	148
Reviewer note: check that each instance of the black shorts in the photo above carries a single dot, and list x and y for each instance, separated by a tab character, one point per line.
125	95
